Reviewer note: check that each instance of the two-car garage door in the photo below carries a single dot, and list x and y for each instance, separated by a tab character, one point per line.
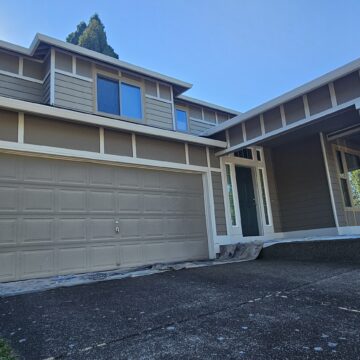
60	217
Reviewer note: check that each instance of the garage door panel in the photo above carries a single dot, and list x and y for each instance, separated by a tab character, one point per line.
59	217
131	254
8	231
72	173
174	226
9	198
128	178
103	257
8	167
129	228
102	229
72	260
71	200
8	266
129	202
151	180
38	199
102	201
153	203
102	175
152	227
38	230
38	171
72	229
37	263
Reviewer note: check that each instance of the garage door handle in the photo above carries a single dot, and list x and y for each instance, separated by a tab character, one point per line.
117	228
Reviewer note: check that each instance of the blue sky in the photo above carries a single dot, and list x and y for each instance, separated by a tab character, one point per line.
237	53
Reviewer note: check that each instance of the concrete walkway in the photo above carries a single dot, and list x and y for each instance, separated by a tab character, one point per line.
264	309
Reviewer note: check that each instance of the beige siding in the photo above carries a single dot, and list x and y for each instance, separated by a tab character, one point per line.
197	155
157	149
304	197
219	204
158	113
197	127
20	89
214	160
59	217
42	131
117	143
74	93
8	125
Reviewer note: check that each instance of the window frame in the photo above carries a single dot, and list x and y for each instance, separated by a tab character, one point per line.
119	79
157	97
345	176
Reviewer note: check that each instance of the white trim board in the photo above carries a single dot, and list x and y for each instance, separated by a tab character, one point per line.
65	114
48	151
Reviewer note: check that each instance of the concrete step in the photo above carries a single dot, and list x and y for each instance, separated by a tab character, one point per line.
342	250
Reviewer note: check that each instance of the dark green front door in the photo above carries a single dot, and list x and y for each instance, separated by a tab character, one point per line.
247	202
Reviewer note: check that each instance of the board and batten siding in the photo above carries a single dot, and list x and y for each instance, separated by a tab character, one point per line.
219	205
303	192
74	93
158	113
21	89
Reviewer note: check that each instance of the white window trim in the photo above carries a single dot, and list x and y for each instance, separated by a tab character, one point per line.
255	165
119	79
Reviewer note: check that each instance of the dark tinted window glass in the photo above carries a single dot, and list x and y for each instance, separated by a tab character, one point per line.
340	163
108	96
244	153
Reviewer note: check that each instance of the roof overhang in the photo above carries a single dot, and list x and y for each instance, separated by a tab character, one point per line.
192	100
40	40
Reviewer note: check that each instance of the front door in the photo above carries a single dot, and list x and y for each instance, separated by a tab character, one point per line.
247	201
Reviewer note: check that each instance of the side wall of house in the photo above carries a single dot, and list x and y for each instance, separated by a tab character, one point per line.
301	196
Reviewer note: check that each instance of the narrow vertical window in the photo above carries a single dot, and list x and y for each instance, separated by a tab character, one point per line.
108	100
230	195
131	101
181	120
263	195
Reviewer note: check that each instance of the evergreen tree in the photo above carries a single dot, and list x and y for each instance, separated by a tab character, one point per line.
73	37
92	36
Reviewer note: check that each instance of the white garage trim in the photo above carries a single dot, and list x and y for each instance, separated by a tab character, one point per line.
47	151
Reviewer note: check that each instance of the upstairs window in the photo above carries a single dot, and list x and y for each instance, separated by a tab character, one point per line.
131	101
108	99
181	120
118	98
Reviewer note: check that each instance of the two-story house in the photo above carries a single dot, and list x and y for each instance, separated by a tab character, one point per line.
104	164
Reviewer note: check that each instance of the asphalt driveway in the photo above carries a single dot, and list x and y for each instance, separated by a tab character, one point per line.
264	309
